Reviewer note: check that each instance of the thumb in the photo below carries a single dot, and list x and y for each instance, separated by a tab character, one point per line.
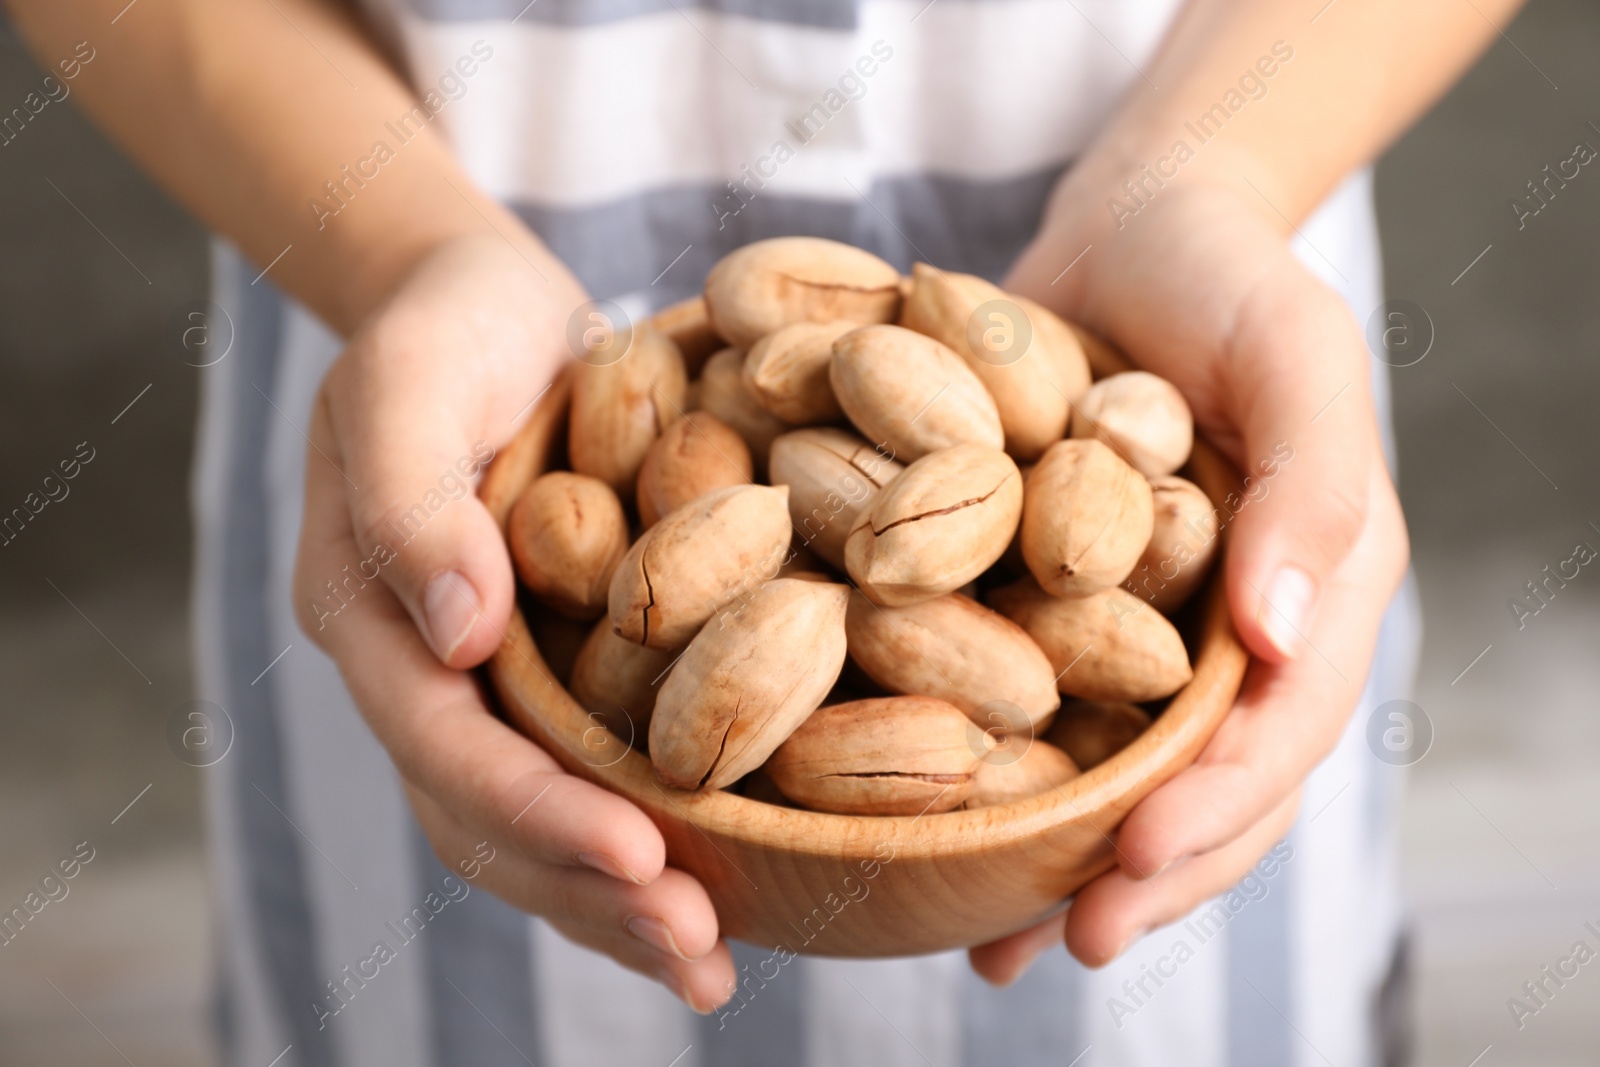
409	477
1304	407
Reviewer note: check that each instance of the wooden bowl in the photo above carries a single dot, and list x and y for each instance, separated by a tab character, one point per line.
847	885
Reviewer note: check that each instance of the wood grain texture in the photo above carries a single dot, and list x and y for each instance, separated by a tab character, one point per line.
839	885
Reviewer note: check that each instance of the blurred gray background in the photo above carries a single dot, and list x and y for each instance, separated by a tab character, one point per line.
1499	473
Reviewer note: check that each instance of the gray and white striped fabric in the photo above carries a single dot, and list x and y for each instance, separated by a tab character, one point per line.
614	127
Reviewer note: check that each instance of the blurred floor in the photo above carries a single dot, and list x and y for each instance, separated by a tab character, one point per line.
1501	831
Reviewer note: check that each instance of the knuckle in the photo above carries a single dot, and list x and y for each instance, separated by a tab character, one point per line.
379	529
1344	512
1340	513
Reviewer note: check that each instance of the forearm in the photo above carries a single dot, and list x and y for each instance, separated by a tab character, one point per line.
1260	95
244	111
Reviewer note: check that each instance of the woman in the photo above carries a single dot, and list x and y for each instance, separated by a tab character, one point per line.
418	197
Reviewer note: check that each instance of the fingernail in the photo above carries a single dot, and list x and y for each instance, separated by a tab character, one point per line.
451	606
606	865
1286	609
656	934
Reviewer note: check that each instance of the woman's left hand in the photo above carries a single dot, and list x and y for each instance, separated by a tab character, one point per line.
1202	288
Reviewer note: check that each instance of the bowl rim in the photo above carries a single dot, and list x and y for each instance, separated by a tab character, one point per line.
543	709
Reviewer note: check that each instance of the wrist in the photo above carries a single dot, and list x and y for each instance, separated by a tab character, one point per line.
1129	198
369	261
1127	171
362	258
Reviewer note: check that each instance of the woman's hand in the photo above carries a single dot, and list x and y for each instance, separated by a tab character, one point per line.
473	334
1201	287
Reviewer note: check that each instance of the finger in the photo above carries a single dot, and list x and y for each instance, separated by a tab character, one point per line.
672	914
1299	376
666	931
1113	911
442	738
1287	718
416	407
1002	962
704	985
408	467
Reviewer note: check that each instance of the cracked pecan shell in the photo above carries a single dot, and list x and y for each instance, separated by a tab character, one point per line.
937	526
1041	766
748	678
833	476
901	755
787	371
1034	385
766	285
697	559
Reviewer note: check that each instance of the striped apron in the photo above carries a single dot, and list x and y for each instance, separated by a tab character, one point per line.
643	139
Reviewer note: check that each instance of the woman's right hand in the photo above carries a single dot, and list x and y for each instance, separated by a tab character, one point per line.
440	369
